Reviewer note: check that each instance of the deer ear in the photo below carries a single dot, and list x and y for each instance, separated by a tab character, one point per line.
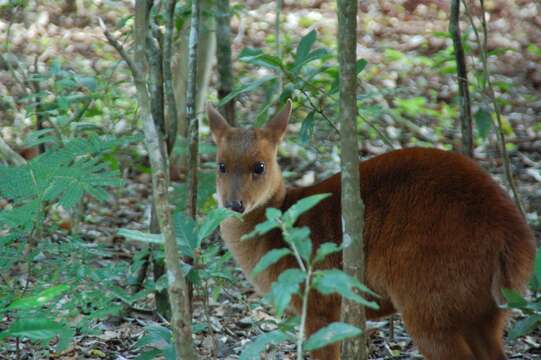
218	125
277	126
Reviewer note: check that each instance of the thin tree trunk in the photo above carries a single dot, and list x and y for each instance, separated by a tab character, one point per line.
193	122
205	54
177	288
181	316
462	74
278	41
170	127
171	121
352	205
154	58
488	90
223	57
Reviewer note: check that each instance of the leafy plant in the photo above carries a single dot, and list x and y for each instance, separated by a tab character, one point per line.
59	177
530	307
300	281
208	268
62	175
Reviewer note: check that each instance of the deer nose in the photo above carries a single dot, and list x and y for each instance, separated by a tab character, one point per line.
235	205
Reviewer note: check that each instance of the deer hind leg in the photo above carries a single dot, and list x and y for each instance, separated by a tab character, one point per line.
443	346
437	343
485	337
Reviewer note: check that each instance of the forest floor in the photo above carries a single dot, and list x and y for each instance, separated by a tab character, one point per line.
396	40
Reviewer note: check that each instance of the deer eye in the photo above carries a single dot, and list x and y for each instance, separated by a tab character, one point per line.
221	167
259	168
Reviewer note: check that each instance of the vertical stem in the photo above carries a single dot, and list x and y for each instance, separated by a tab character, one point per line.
223	57
497	110
177	289
154	59
171	122
462	74
191	92
488	90
304	313
352	205
278	40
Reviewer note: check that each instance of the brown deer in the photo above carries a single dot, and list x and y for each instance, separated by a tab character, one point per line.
441	237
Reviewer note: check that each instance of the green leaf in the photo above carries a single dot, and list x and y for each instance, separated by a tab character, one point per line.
270	258
301	206
514	299
326	249
141	236
306	43
65	337
336	281
263	114
186	233
155	335
336	331
360	65
149	355
87	81
307	127
256	347
314	55
483	122
273	216
534	50
251	86
35	329
393	55
40	298
284	288
258	57
524	326
300	239
538	265
213	219
42	136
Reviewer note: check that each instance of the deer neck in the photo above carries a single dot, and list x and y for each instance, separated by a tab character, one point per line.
248	252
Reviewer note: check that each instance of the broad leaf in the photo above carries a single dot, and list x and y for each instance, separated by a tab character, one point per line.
258	57
212	221
270	258
251	86
307	127
35	329
300	239
301	206
514	299
524	326
186	233
284	288
314	55
306	43
326	249
256	347
330	334
40	298
336	281
483	122
273	215
538	265
141	236
157	336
